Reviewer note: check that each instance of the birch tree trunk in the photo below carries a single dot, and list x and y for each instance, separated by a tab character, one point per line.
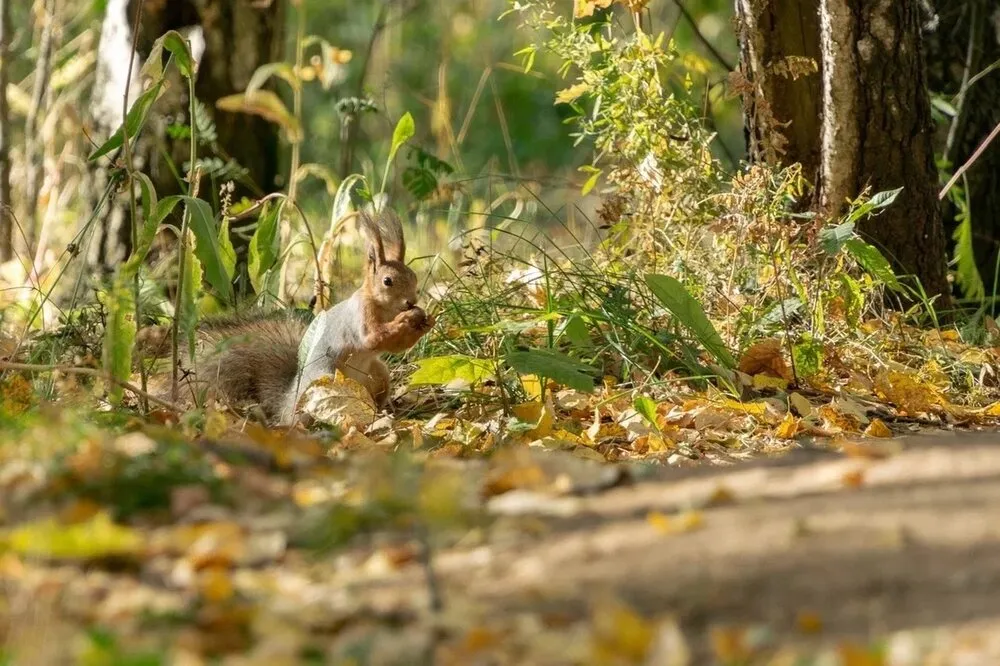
878	132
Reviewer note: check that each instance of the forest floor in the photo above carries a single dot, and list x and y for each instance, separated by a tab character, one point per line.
140	548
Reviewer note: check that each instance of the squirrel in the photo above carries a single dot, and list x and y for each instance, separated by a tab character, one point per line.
269	358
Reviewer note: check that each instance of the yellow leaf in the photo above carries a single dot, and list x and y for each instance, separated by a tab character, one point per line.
757	408
571	94
907	392
878	428
788	428
618	633
769	382
267	105
216	584
585	8
96	538
542	414
532	386
730	645
15	395
686	521
809	622
800	404
338	400
215	424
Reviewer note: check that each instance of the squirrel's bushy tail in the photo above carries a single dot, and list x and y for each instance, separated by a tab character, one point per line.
251	358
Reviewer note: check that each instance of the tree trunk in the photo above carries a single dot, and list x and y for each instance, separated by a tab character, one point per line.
877	131
237	37
965	41
780	60
6	215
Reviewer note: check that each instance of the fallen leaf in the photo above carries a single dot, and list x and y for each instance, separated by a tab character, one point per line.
338	400
765	358
877	428
92	539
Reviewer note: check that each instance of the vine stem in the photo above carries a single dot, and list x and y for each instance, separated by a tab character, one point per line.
193	179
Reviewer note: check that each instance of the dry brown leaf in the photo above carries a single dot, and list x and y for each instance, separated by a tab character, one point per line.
907	392
877	428
765	358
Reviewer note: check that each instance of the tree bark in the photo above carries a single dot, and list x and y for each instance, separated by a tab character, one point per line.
238	36
877	131
6	214
780	60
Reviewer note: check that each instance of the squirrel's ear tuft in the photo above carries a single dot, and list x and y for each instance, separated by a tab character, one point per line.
373	241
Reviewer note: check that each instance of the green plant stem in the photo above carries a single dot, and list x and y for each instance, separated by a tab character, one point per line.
192	192
293	181
130	183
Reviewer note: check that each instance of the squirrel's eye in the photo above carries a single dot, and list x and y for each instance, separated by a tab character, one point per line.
387	281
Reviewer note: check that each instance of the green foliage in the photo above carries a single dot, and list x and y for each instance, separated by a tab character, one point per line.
440	370
690	313
265	246
553	365
119	336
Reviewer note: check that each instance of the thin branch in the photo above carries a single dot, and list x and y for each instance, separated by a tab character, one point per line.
43	70
703	39
6	222
90	372
965	167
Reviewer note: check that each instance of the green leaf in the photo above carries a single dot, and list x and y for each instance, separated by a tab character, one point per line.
188	314
884	199
647	407
405	129
854	298
119	335
574	329
147	234
689	312
832	239
148	194
134	122
808	357
227	253
554	365
440	370
202	223
967	274
870	259
264	246
177	45
595	175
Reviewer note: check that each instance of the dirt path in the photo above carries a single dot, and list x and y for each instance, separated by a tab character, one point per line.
810	550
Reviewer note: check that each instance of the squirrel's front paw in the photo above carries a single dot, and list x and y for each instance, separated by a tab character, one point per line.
416	319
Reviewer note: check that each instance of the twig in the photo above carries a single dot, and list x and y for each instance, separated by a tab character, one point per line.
90	372
6	223
703	39
965	167
43	70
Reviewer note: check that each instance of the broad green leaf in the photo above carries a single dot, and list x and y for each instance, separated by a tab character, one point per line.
832	239
188	314
147	234
202	223
966	269
119	335
227	253
267	105
595	175
264	246
554	365
282	70
574	329
439	370
884	199
134	122
689	312
92	539
148	194
873	262
405	129
177	45
647	407
808	357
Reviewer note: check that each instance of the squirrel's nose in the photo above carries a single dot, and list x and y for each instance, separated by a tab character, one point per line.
410	305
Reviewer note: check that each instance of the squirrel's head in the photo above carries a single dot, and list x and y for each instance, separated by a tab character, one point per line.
389	282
